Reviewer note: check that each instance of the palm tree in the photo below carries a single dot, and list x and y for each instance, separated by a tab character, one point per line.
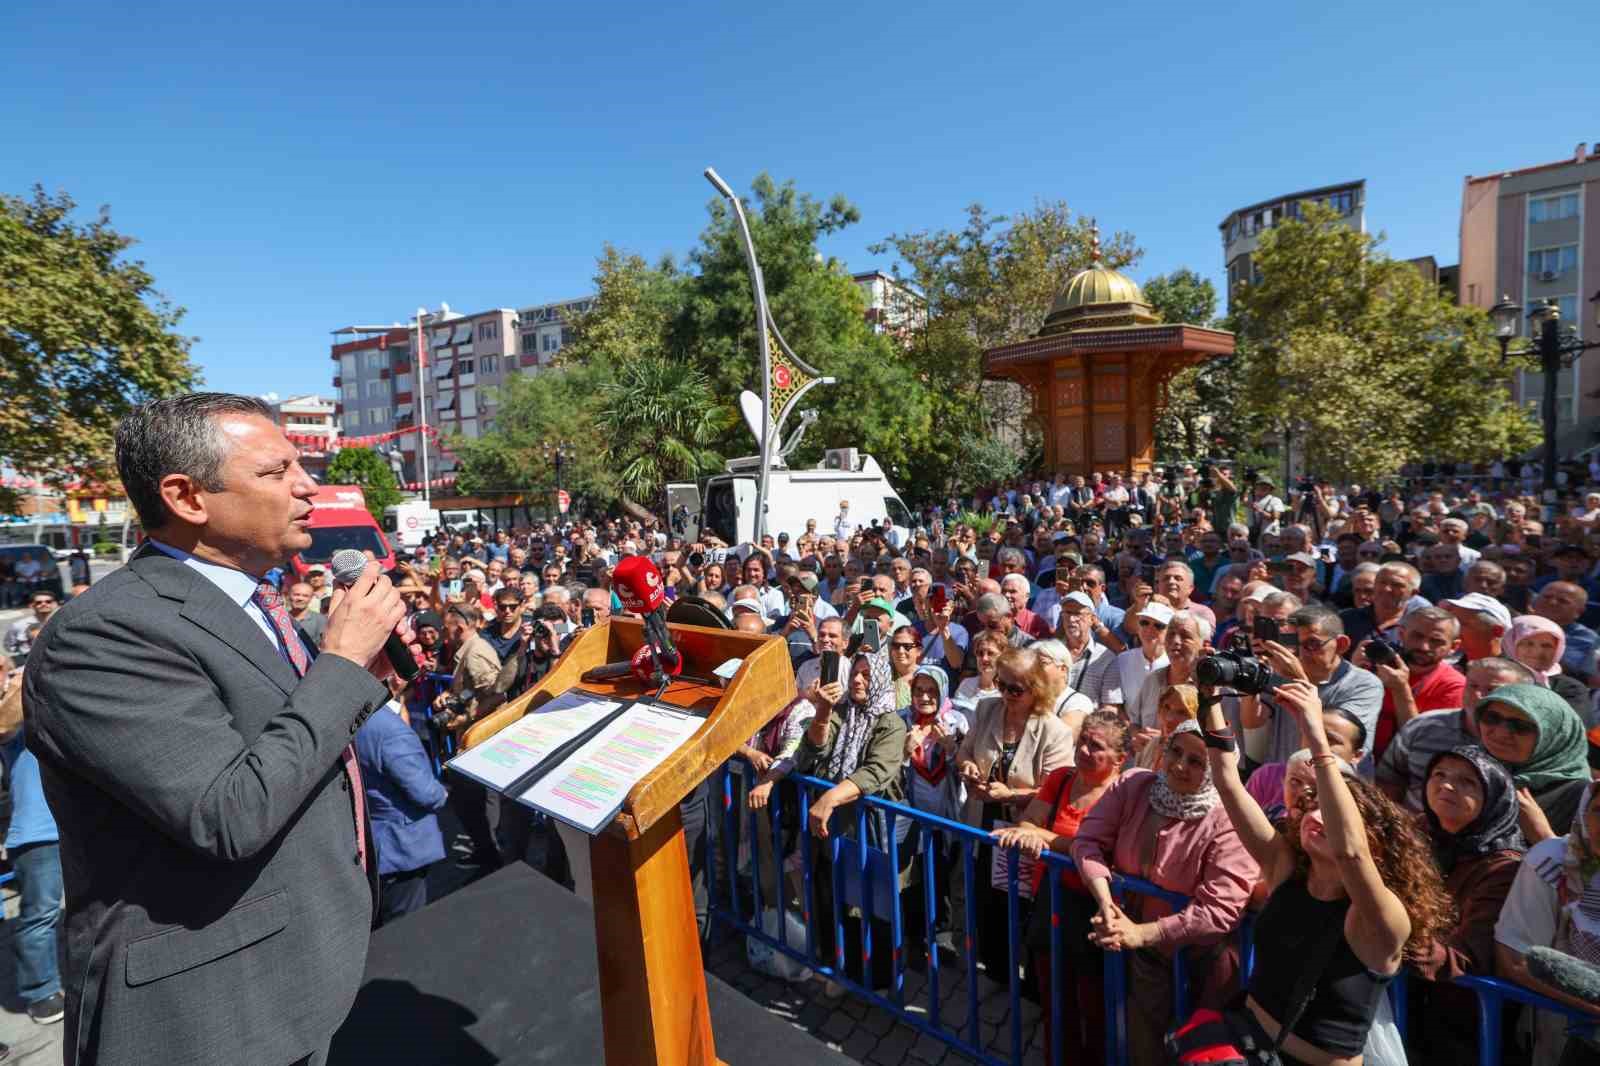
659	417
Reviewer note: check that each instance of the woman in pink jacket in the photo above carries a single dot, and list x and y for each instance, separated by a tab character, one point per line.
1169	828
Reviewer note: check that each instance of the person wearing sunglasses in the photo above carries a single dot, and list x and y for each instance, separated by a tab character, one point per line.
1015	742
1144	658
1535	735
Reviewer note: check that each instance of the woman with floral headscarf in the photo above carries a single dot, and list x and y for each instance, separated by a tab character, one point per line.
1555	902
1538	643
1168	828
1540	739
1471	818
856	741
934	730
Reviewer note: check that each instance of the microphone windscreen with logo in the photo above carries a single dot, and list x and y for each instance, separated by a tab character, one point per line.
1567	972
638	584
347	565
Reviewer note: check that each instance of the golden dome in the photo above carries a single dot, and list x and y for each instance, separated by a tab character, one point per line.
1096	297
1097	285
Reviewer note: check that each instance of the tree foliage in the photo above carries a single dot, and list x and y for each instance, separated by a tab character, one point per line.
659	417
1205	413
365	467
558	405
1368	363
989	283
83	338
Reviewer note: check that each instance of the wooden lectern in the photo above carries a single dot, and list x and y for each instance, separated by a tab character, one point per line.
652	978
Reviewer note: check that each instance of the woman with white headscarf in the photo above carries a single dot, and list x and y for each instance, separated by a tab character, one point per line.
857	741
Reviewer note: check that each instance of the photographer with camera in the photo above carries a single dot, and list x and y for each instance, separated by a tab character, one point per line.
1311	647
1265	508
1416	676
472	694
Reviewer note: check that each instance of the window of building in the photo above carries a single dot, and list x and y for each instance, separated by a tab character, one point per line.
402	382
347	364
464	366
1553	260
488	331
378	415
443	367
566	337
1553	208
489	364
551	342
352	390
377	389
372	359
530	343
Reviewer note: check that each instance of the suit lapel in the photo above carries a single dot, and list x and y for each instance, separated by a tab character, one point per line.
205	605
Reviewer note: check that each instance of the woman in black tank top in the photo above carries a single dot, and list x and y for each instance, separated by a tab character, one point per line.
1353	889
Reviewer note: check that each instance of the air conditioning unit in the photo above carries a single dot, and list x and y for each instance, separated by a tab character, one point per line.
841	459
1548	275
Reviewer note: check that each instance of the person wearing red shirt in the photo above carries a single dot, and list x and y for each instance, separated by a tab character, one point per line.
1424	681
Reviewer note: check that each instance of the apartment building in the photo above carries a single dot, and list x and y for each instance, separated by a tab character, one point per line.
1242	229
469	356
1533	234
308	416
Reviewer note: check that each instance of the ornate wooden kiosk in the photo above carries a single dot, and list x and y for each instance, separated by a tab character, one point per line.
1098	371
652	978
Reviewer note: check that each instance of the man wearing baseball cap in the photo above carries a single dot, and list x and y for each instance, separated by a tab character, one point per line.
1484	623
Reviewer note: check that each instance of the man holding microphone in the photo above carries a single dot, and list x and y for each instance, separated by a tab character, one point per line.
196	751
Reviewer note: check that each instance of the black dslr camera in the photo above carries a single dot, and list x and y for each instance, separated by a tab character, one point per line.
1237	669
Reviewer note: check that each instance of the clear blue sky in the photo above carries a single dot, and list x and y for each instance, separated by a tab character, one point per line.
293	167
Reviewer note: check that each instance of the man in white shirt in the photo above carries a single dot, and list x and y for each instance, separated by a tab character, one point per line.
844	525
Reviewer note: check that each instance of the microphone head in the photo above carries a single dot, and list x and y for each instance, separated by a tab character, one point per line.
638	584
1569	973
347	565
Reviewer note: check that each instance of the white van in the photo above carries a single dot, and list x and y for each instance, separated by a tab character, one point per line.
409	524
793	496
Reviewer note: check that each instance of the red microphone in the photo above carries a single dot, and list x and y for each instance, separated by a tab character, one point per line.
640	588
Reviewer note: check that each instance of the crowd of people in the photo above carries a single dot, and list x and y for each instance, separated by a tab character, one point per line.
1368	717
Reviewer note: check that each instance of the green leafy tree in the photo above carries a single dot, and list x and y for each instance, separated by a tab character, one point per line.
659	418
365	467
989	283
1364	360
1205	413
559	404
84	337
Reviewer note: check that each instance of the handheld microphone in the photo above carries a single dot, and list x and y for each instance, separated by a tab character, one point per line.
347	565
639	587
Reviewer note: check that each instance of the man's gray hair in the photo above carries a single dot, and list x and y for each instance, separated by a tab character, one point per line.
1501	665
558	594
992	601
1017	577
1009	556
1412	575
1278	599
1362	569
175	435
1201	626
1436	616
1321	620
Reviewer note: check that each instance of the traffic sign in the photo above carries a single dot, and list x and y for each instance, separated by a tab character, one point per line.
563	500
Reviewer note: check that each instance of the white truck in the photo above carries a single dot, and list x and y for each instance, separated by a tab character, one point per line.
728	500
409	524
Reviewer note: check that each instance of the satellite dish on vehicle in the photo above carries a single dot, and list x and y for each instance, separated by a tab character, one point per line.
750	407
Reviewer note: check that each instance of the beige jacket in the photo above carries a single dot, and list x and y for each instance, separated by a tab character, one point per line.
1045	744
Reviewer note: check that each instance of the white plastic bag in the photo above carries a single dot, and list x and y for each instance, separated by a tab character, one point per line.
768	959
1384	1046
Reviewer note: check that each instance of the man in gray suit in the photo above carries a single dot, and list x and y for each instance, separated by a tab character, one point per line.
196	752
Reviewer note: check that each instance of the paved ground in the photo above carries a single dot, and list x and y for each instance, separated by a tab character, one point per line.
870	1034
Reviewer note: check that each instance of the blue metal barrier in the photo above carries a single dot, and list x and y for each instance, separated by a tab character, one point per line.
936	832
728	898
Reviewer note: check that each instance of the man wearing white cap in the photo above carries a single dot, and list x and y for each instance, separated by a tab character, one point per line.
1093	670
1484	623
1136	664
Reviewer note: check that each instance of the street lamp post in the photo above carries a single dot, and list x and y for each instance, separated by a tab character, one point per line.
557	453
1553	351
